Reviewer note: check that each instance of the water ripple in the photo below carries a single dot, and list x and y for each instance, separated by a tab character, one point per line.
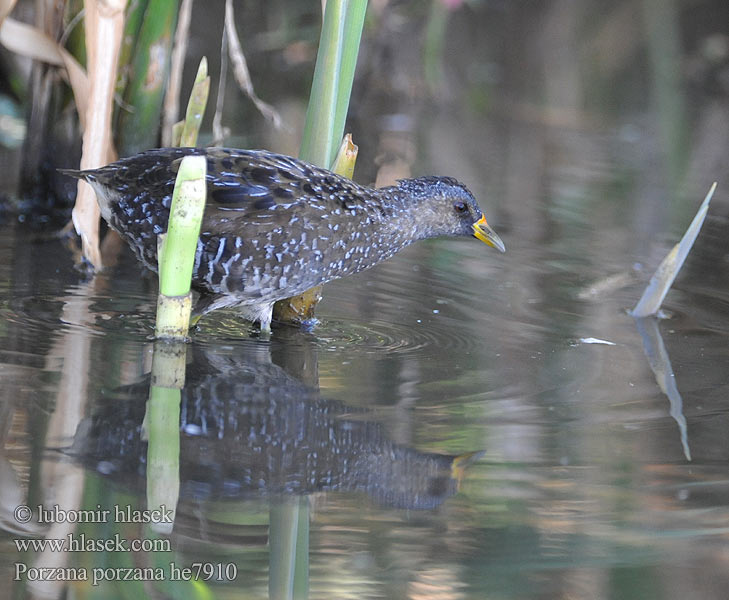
430	336
79	311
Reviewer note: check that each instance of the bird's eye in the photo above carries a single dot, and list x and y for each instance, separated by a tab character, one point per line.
460	206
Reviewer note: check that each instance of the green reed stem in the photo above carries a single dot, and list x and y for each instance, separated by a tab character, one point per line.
333	77
176	253
132	25
196	106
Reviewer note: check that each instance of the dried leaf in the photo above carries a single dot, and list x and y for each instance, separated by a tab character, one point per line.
663	278
26	40
346	157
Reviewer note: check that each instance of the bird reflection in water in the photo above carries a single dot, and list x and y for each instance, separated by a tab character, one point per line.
250	429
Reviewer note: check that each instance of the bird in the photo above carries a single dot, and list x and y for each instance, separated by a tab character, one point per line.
275	226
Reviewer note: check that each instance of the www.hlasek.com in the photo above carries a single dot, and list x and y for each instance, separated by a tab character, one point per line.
81	543
203	571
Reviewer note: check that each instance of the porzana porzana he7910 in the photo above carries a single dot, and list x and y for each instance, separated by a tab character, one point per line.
275	226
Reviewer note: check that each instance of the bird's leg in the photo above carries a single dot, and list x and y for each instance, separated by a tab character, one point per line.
265	320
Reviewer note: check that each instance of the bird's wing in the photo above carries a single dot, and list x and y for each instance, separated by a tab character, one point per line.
255	186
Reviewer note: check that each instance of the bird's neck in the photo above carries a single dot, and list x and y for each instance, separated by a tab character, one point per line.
406	219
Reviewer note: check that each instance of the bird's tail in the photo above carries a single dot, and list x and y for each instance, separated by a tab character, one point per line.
88	176
104	196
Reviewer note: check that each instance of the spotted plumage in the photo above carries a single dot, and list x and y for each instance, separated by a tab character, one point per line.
275	226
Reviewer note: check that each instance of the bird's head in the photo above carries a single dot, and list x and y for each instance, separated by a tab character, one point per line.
444	206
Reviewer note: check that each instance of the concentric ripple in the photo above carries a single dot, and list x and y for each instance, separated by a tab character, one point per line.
428	336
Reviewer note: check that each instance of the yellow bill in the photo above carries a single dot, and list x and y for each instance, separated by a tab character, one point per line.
483	232
461	463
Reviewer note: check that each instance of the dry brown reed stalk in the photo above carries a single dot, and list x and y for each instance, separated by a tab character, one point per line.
220	132
240	67
104	30
171	110
6	7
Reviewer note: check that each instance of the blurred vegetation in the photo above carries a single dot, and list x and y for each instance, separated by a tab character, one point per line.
573	67
137	126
